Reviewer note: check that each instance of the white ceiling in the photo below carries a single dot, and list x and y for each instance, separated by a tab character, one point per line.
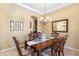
40	7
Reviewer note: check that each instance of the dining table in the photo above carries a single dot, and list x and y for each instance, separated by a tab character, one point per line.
40	45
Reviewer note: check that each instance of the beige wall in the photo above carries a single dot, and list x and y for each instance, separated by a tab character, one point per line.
72	13
14	12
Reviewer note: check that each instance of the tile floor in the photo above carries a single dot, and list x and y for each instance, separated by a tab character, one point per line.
13	52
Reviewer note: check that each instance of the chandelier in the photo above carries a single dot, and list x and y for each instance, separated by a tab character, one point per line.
44	19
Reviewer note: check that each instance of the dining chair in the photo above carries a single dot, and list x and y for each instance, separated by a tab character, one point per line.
21	50
62	44
55	48
54	34
52	47
58	47
30	36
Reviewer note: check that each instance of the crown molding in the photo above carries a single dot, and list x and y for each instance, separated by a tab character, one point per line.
27	7
42	13
59	7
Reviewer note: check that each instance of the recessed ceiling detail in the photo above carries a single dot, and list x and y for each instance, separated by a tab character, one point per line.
40	7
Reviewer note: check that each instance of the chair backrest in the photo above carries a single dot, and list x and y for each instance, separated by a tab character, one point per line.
64	40
59	43
17	46
32	36
55	34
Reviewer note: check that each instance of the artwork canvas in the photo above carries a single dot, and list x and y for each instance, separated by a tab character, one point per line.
60	25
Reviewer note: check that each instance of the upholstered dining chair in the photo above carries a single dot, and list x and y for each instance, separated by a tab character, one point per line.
21	50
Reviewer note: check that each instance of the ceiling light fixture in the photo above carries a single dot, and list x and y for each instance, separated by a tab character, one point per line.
44	19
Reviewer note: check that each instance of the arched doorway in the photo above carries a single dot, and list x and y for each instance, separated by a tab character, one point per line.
34	19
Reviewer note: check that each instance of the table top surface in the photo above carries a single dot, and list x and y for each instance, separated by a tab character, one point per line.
37	41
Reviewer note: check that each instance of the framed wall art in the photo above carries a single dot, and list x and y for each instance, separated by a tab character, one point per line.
60	25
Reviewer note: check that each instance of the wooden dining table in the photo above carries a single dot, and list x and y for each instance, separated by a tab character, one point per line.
40	45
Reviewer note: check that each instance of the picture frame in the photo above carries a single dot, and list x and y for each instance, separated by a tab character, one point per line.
60	25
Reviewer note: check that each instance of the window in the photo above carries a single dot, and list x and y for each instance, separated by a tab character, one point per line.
16	25
11	25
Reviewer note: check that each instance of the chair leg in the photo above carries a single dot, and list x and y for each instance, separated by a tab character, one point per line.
59	53
32	54
63	52
56	53
38	53
52	53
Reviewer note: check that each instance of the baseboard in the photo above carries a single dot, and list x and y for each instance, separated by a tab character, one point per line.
15	47
7	49
72	48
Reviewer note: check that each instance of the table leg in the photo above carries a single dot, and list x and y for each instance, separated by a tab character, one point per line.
25	44
52	51
38	53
